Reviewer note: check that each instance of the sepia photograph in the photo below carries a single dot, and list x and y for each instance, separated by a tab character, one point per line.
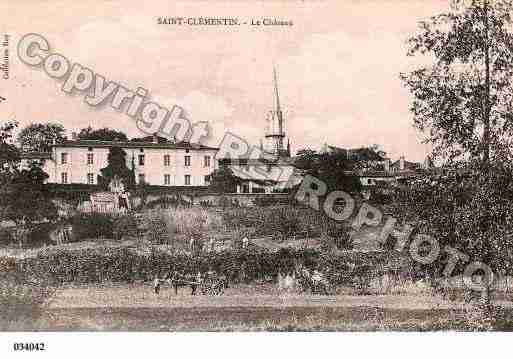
316	167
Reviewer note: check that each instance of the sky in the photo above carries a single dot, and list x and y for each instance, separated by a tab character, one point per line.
338	66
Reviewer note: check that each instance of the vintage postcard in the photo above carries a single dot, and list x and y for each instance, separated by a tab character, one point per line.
215	166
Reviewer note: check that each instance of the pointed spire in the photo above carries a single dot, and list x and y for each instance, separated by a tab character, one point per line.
279	114
288	147
276	94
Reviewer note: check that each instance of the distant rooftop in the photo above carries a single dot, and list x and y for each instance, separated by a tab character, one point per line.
133	144
35	155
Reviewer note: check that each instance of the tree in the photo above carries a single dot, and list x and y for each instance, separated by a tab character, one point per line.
9	154
223	180
39	137
462	102
333	168
102	134
117	167
24	197
24	200
305	158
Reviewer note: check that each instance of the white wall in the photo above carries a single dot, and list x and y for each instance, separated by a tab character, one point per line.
153	168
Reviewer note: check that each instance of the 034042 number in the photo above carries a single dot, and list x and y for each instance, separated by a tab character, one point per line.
29	347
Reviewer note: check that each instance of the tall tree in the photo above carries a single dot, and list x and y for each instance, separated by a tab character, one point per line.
24	197
337	167
39	137
117	167
102	134
462	102
9	154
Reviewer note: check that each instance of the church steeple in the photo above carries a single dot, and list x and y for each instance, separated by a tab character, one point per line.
276	135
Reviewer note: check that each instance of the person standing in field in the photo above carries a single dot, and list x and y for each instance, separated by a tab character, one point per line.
156	285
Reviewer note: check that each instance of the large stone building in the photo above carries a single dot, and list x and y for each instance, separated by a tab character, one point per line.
153	162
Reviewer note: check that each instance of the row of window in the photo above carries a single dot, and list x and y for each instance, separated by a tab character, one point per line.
142	179
167	179
167	160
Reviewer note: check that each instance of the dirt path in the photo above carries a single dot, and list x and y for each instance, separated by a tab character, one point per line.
142	296
253	308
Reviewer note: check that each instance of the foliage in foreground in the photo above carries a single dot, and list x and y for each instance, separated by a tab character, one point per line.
21	302
127	265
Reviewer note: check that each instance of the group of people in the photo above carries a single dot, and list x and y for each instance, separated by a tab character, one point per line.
181	279
303	279
193	244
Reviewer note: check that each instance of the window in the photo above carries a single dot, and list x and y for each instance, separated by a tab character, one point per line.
187	180
167	160
207	179
64	158
141	160
142	178
187	161
90	178
64	177
167	180
90	158
206	162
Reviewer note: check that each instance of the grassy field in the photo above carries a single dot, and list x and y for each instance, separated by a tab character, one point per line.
244	308
101	305
245	319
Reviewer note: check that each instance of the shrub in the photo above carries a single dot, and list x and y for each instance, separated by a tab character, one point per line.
167	202
279	221
157	229
340	234
126	226
269	200
39	235
92	225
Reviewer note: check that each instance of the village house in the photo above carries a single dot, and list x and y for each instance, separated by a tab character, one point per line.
377	168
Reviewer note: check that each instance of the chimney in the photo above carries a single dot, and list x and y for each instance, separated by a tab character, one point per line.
155	138
401	163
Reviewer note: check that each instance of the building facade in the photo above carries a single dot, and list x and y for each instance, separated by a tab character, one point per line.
153	163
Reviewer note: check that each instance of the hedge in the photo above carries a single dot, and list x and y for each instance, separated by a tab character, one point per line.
125	265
